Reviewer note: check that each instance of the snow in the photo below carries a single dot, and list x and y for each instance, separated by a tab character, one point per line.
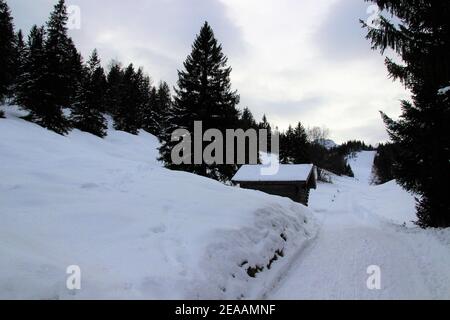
328	144
363	226
294	172
444	91
362	164
137	230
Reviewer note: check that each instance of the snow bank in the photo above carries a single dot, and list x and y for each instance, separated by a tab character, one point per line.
393	203
137	230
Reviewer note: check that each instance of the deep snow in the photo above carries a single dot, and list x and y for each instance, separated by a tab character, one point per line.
362	226
139	231
136	230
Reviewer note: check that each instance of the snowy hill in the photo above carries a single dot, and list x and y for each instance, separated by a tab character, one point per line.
137	230
362	165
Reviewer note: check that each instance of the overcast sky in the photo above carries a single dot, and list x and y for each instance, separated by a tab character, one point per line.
295	60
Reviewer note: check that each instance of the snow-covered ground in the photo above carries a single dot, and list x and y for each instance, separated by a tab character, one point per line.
362	164
139	231
363	226
136	230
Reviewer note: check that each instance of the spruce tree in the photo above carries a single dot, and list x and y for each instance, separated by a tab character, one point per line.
247	120
127	114
143	103
163	105
64	63
114	83
204	94
7	39
422	39
90	100
265	125
159	107
31	92
20	51
63	70
286	146
300	145
148	121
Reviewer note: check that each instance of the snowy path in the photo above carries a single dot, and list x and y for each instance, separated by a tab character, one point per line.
354	235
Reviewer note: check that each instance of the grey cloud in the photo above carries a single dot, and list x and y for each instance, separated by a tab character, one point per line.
341	36
158	34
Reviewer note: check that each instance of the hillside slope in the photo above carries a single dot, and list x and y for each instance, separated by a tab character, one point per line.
136	230
362	164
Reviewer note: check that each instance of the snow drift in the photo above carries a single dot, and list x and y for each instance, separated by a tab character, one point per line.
137	230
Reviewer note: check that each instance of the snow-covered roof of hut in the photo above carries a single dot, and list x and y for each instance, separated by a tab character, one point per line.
286	173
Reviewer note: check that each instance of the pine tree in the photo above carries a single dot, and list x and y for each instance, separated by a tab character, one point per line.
144	87
63	71
20	51
265	125
287	146
159	107
300	145
63	60
7	39
422	39
127	115
163	106
383	163
90	101
31	87
114	83
149	121
204	94
247	120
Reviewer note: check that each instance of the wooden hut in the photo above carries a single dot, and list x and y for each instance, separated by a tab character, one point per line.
291	181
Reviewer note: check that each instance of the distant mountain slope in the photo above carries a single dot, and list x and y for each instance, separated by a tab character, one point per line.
362	165
327	143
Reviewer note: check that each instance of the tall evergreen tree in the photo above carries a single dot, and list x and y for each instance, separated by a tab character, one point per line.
148	121
20	51
63	70
127	114
422	39
247	120
286	146
265	125
7	38
144	88
300	145
159	107
163	105
204	94
31	92
114	83
90	100
64	63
